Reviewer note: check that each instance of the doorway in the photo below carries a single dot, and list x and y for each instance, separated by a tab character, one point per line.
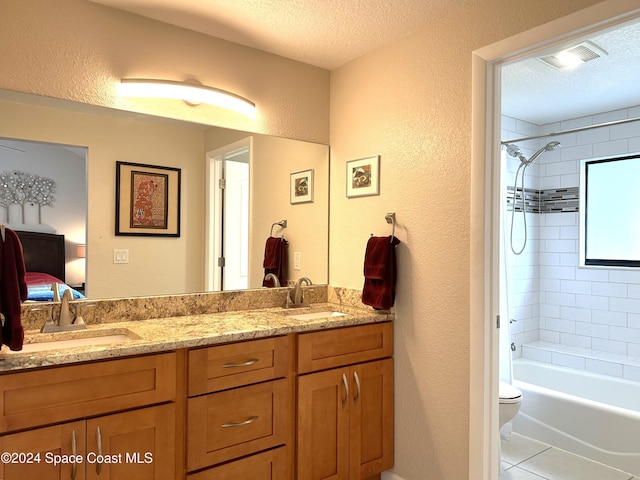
485	202
227	217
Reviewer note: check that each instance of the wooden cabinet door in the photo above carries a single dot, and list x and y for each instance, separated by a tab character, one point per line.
323	425
138	444
371	418
41	448
269	465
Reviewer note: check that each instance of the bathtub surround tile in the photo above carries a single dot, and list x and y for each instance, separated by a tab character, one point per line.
593	301
631	372
630	335
608	346
534	353
606	317
604	367
606	357
568	360
629	305
581	341
592	329
603	303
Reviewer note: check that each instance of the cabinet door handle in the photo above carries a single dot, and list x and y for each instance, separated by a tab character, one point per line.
243	364
345	400
73	452
240	424
357	379
99	440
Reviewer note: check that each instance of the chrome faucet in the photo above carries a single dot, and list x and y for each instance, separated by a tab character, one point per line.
65	313
298	294
271	276
66	320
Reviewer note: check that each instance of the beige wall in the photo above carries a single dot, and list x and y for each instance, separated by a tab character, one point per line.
273	159
410	102
78	50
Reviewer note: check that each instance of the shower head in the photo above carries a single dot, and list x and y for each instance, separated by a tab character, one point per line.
515	152
547	148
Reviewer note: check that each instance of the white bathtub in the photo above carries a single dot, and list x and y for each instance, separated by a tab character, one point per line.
596	416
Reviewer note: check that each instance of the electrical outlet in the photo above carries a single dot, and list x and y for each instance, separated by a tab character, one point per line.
296	260
121	255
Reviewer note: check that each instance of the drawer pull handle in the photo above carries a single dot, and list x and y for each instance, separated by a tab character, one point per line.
345	400
240	424
357	379
243	364
73	451
99	440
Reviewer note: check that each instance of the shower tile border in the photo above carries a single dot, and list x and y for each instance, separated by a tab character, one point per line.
548	200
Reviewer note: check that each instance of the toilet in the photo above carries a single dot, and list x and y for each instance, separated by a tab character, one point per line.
510	399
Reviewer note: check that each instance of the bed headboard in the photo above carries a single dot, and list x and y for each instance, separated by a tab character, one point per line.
43	252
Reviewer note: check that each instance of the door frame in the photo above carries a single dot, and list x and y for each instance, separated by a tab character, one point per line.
484	249
213	212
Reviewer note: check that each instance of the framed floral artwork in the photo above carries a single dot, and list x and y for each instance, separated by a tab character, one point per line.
301	188
147	200
363	177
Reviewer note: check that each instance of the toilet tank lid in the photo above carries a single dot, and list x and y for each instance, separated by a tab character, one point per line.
507	391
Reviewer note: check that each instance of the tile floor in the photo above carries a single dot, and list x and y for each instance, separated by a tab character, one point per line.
527	459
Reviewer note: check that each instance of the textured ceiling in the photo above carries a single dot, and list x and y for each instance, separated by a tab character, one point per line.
325	33
329	33
538	93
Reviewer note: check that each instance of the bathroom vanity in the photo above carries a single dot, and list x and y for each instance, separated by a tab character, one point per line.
255	395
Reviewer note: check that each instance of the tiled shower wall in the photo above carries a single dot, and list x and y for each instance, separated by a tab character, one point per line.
580	317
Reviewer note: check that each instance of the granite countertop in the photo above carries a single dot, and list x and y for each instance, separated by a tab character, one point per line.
167	334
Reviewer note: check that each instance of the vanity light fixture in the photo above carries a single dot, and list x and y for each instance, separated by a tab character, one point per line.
191	93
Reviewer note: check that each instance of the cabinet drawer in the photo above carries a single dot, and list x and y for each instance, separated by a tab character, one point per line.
226	366
238	422
43	397
344	346
270	465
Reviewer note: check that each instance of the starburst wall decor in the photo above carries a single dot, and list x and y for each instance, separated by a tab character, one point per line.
20	188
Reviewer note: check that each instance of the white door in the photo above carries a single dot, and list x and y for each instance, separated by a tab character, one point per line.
227	242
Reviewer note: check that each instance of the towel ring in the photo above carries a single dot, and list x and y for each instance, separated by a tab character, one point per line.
281	223
391	218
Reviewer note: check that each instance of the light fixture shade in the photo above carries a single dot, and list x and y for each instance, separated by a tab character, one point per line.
81	250
189	92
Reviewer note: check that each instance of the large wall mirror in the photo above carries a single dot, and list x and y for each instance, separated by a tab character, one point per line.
96	138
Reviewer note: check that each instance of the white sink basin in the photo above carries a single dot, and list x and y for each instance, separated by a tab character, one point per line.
315	315
61	340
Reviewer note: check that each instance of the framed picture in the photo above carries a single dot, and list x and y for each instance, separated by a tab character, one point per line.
363	177
147	200
301	189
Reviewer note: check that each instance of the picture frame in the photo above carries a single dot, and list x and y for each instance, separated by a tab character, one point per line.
363	177
147	200
301	187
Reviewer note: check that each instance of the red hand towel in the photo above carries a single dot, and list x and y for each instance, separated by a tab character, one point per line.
13	290
275	260
380	272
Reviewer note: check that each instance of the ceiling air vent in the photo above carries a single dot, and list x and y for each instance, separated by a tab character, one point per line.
571	57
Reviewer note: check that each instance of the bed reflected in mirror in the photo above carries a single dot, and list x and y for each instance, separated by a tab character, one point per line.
43	198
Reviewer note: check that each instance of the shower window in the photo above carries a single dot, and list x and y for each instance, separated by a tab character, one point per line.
609	211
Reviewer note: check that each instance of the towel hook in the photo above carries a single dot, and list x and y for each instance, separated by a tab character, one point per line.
391	218
281	223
